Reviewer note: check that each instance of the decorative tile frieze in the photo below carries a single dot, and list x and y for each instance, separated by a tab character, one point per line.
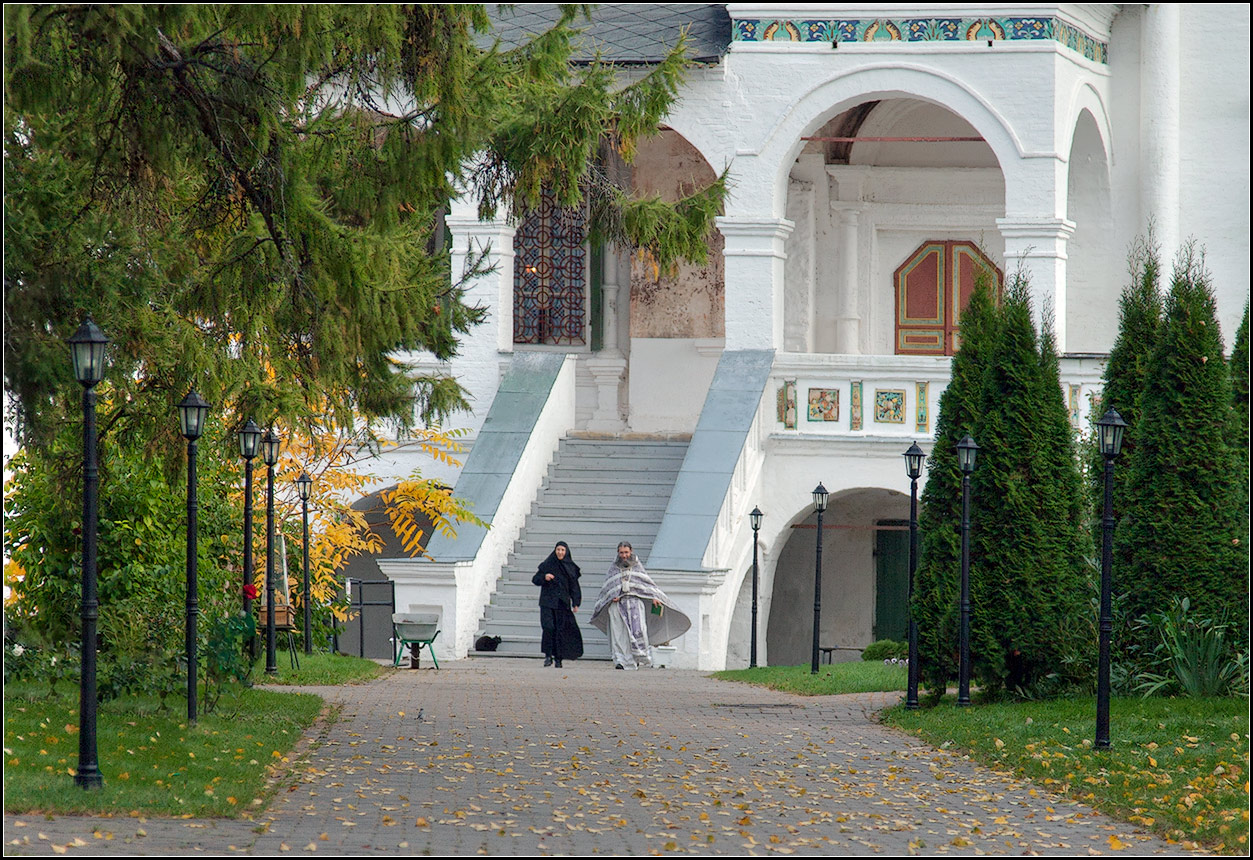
1010	29
922	416
854	407
1073	401
824	404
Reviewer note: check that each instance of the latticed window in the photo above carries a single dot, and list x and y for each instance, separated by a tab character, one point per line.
932	288
550	276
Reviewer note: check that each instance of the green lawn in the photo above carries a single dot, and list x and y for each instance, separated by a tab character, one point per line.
152	762
856	677
1179	767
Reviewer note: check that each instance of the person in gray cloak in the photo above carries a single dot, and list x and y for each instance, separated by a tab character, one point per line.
634	613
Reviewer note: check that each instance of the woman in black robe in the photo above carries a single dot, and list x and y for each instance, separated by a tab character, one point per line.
559	599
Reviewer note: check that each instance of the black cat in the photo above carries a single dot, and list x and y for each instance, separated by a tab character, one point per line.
486	643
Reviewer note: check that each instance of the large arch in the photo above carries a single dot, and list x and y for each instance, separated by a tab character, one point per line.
852	524
1093	270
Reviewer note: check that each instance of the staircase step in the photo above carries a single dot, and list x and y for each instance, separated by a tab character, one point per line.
597	491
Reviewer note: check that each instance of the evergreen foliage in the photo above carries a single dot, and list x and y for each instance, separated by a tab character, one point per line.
937	579
1028	581
248	199
1240	415
1183	529
1139	321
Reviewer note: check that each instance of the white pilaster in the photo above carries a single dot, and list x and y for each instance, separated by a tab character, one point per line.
1039	246
1160	112
848	317
755	260
478	364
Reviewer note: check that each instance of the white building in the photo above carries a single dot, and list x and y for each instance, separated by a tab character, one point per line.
877	155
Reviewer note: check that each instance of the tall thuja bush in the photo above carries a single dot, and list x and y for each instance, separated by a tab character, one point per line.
1027	570
1240	415
1126	372
1183	526
937	580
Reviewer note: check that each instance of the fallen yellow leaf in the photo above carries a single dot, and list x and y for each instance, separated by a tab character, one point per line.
1116	844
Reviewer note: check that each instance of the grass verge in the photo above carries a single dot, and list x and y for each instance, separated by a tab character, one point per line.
318	669
856	677
1179	767
152	762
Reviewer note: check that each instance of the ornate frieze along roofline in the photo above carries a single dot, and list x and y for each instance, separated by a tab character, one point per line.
1083	28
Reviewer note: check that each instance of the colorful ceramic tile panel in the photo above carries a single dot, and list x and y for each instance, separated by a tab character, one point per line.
923	414
1014	29
1075	393
824	404
889	407
787	404
854	407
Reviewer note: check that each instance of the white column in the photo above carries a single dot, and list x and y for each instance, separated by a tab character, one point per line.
848	319
1160	112
608	367
1039	246
755	259
478	362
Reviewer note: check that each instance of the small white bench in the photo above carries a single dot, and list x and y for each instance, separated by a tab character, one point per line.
414	630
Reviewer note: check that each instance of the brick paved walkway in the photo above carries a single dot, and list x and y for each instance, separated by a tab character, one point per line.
501	756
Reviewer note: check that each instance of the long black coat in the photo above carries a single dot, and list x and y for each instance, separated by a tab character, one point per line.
563	589
561	636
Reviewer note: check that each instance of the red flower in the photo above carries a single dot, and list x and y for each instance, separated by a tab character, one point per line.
251	592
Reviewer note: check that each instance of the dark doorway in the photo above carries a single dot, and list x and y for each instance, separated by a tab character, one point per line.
891	563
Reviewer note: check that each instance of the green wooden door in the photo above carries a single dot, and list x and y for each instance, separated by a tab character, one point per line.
891	555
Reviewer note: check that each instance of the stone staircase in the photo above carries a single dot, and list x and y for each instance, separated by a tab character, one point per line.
598	492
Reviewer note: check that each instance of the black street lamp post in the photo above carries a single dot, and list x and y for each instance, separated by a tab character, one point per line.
967	450
192	411
820	502
87	351
304	484
755	519
1110	431
249	446
914	459
269	453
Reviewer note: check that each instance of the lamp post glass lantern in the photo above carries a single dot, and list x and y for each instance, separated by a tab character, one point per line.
914	459
249	446
967	451
1110	430
820	504
270	446
87	349
304	484
755	520
192	412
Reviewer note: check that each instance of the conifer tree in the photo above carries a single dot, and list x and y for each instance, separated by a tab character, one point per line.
1139	318
1183	527
937	579
248	199
1240	413
1027	569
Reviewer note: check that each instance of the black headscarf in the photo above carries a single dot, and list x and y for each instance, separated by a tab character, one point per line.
565	583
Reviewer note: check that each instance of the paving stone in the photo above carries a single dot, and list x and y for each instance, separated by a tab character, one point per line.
506	757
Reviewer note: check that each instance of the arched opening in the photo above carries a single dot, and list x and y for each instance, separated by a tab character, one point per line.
870	186
1094	268
864	578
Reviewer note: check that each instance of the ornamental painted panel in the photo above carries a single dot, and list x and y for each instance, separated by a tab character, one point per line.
824	404
854	407
922	413
549	275
889	407
1075	393
787	404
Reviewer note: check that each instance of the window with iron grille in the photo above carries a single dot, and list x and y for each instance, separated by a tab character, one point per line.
550	276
